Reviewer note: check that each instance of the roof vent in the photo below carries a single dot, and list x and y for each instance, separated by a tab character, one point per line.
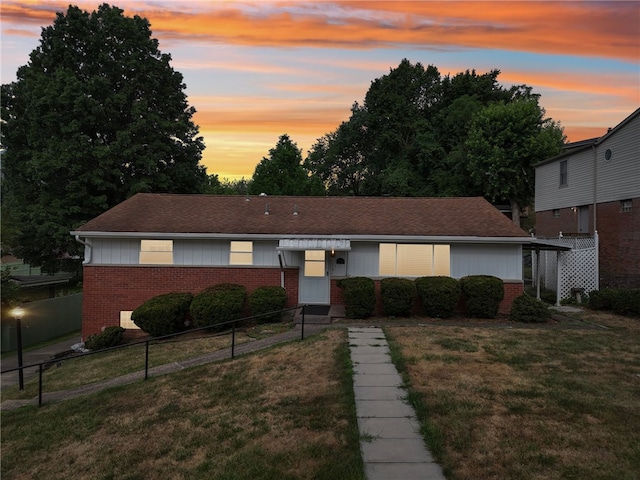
266	209
295	209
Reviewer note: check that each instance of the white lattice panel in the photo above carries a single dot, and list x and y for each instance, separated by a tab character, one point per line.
578	267
577	270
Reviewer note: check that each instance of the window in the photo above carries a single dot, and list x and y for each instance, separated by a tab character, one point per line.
156	252
625	205
125	320
241	253
563	173
556	213
314	263
414	260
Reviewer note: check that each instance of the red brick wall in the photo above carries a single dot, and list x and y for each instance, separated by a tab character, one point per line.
549	226
511	291
619	239
108	290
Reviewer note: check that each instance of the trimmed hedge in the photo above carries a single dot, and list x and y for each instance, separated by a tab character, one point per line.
268	299
602	299
109	337
218	304
359	296
483	294
528	309
440	295
627	302
622	301
163	314
398	295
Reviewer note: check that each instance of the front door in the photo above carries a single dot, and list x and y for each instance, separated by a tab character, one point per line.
314	281
583	219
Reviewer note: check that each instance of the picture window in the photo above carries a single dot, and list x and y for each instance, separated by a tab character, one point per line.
414	260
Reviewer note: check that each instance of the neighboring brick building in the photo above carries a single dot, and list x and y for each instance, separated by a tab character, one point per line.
594	185
153	244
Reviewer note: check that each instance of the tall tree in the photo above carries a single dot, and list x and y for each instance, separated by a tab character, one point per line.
398	125
339	157
97	115
505	141
282	173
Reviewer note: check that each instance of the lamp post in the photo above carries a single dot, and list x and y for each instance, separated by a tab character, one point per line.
18	313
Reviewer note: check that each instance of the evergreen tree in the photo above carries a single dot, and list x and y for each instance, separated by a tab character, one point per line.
282	173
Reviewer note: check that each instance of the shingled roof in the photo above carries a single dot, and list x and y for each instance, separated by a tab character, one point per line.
322	216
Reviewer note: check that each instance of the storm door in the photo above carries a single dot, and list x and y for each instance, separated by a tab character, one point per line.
314	281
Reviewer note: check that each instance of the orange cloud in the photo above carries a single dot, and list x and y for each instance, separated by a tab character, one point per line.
605	29
618	85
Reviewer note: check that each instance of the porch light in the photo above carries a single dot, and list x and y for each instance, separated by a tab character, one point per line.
18	313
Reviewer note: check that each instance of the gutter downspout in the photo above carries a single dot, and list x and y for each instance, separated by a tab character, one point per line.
87	249
595	187
282	262
595	215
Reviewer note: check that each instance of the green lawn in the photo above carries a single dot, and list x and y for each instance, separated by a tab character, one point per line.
284	413
512	403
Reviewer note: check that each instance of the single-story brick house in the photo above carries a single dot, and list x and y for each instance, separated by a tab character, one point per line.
152	244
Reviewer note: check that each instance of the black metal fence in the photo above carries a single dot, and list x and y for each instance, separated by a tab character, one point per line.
233	323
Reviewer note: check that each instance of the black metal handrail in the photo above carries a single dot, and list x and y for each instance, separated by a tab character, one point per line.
147	341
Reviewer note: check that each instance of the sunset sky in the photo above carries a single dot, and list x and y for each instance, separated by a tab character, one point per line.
256	70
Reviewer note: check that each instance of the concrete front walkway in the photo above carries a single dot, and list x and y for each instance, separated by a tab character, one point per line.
391	444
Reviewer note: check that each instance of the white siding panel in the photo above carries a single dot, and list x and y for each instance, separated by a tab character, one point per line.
579	188
363	260
200	252
115	251
502	261
265	254
619	178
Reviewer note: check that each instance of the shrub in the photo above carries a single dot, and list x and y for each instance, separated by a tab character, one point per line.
483	294
626	302
439	295
359	296
218	304
268	299
398	295
163	314
529	309
109	337
601	299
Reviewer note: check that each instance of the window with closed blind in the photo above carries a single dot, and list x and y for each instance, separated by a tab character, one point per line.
241	253
314	263
156	252
414	260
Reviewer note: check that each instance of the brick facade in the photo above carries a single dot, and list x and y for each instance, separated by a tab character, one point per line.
619	239
111	289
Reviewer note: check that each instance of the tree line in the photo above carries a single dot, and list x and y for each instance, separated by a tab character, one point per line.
98	114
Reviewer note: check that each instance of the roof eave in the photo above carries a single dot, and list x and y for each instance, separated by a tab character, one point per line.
279	236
